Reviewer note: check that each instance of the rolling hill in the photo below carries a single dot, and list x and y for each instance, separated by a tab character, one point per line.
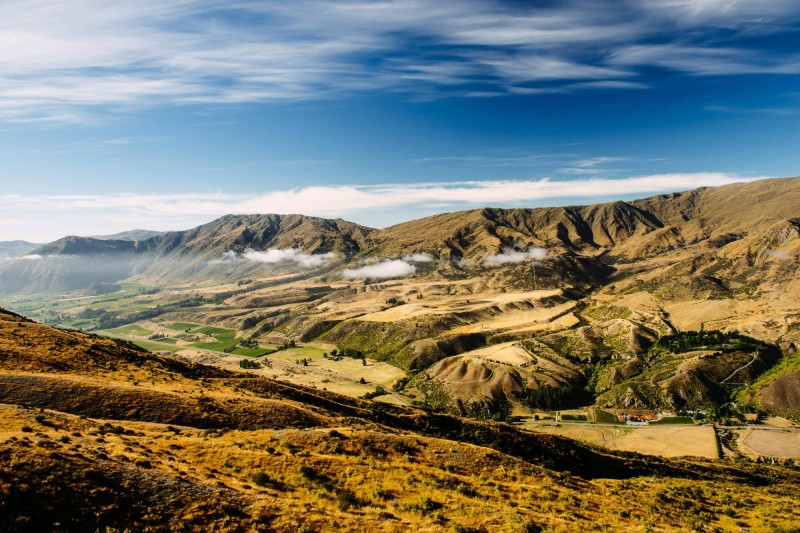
608	282
114	437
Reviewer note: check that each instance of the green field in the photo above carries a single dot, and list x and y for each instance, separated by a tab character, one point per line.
225	339
211	330
131	329
157	347
181	326
604	417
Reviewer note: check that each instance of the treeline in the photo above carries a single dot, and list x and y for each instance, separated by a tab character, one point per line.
552	398
348	352
687	341
495	409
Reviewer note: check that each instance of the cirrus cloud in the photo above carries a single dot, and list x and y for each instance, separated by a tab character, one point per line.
119	56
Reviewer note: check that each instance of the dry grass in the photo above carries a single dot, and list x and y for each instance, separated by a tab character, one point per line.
191	448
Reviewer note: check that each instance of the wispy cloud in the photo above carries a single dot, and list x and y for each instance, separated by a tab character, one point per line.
121	55
773	111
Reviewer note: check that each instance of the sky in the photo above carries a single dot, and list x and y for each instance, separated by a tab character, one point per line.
166	114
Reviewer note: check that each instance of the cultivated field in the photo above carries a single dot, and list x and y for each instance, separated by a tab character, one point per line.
771	443
664	441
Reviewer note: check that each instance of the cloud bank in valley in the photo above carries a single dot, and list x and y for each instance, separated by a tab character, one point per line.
420	257
510	255
290	255
277	255
387	269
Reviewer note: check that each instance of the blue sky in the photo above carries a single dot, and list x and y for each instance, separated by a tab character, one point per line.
167	114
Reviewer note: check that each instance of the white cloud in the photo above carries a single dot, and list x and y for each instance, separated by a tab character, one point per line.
384	270
510	255
422	257
778	254
290	255
58	215
705	61
31	257
227	258
125	55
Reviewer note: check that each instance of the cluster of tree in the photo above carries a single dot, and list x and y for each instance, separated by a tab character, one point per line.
394	301
242	282
156	336
286	345
348	352
495	409
248	364
152	290
303	361
248	343
93	313
379	391
551	398
686	341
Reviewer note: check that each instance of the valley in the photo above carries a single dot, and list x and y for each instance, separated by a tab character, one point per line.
112	435
492	314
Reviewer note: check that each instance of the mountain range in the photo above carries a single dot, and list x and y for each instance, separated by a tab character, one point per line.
591	289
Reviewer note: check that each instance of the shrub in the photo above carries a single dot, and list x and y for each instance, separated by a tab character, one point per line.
345	499
261	478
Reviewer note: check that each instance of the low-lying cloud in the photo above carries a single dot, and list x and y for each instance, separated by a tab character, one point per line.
227	258
290	255
509	255
421	257
387	269
778	254
31	257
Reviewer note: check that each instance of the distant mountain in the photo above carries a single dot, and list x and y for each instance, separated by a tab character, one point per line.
74	262
705	220
627	273
132	235
12	249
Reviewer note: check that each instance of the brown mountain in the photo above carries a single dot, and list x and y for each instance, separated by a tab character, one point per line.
721	258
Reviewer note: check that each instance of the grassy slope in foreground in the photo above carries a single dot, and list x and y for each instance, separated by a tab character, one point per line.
125	439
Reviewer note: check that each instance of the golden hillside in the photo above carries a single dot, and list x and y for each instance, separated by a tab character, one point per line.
95	434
